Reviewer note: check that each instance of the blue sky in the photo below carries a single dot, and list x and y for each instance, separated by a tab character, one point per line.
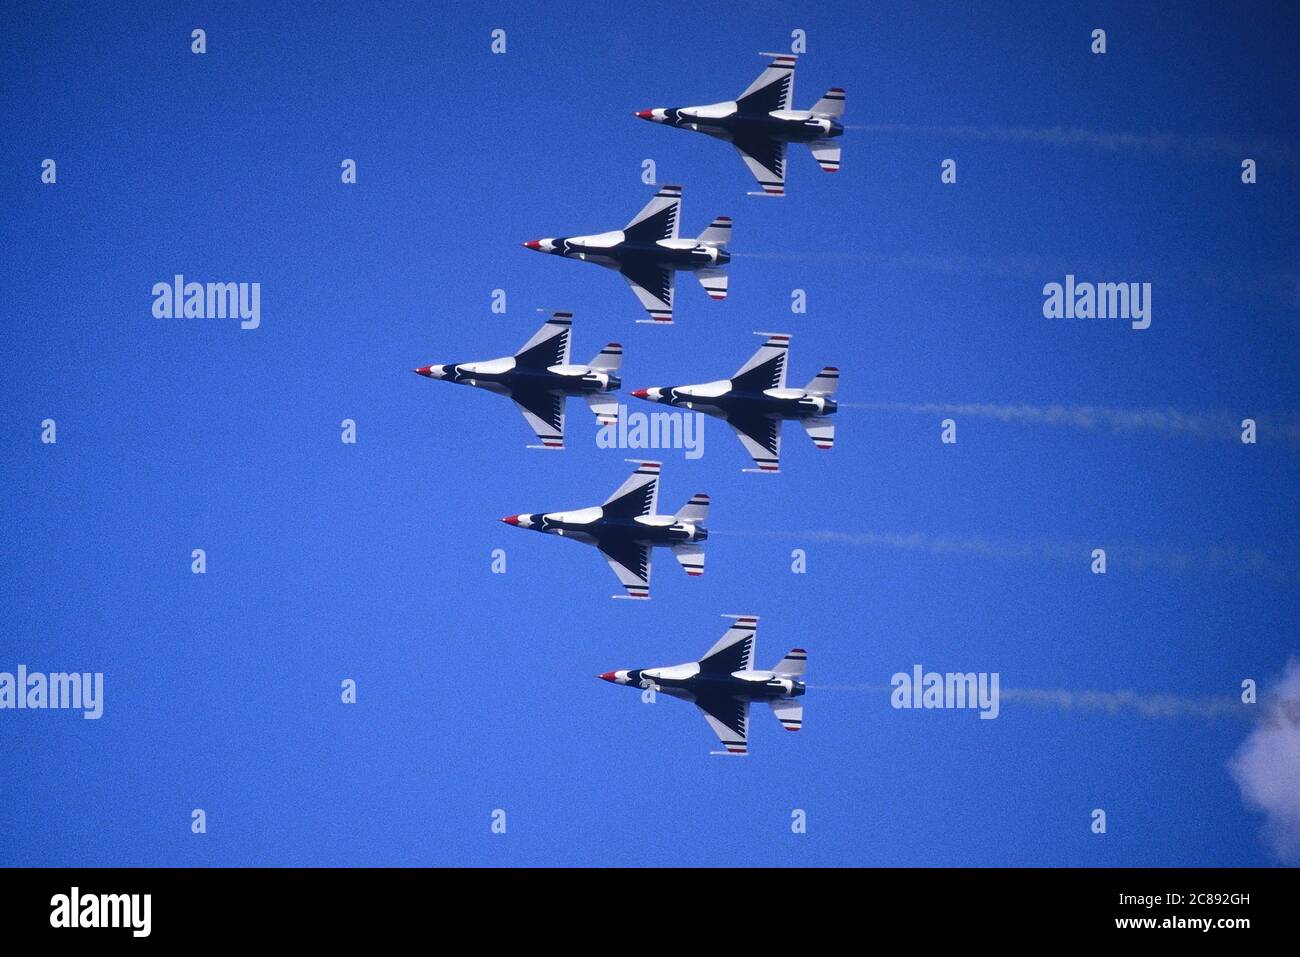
372	561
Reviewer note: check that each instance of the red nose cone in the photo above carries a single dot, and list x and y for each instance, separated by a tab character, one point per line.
641	393
644	114
511	519
607	676
533	244
426	371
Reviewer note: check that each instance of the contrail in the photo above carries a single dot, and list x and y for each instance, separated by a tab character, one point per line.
1219	558
1193	147
1203	425
1276	282
1132	702
1109	702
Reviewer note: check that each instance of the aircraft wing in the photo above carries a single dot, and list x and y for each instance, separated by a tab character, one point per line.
544	413
549	345
761	437
734	651
729	719
653	286
658	220
630	561
765	369
638	495
774	88
765	158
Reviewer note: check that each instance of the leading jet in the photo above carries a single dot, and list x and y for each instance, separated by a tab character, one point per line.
724	683
759	124
539	377
647	252
625	528
755	401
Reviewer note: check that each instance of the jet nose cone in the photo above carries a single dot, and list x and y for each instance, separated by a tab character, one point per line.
424	371
608	676
511	519
644	114
641	393
533	244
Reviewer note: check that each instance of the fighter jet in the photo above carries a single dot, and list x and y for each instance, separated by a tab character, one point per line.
625	528
759	123
647	253
755	400
539	378
723	683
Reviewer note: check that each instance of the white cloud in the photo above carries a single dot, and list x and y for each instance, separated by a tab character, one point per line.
1267	765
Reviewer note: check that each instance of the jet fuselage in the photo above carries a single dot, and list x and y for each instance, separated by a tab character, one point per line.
590	525
505	374
718	398
725	121
614	249
687	678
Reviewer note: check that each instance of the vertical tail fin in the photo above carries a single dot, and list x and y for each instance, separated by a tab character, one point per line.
718	233
824	382
793	665
609	358
832	104
696	511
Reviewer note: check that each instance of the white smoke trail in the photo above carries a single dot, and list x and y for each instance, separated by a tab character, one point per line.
1203	425
1267	765
1220	558
1107	702
1193	147
1133	702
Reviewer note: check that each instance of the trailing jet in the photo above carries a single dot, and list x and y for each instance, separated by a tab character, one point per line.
539	378
625	528
755	400
724	683
647	253
759	123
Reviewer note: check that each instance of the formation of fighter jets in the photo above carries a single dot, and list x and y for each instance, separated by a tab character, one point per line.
540	377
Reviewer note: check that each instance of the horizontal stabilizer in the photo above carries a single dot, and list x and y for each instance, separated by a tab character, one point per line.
718	232
714	282
827	154
832	104
608	359
789	713
793	665
691	558
696	510
824	382
821	431
605	407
